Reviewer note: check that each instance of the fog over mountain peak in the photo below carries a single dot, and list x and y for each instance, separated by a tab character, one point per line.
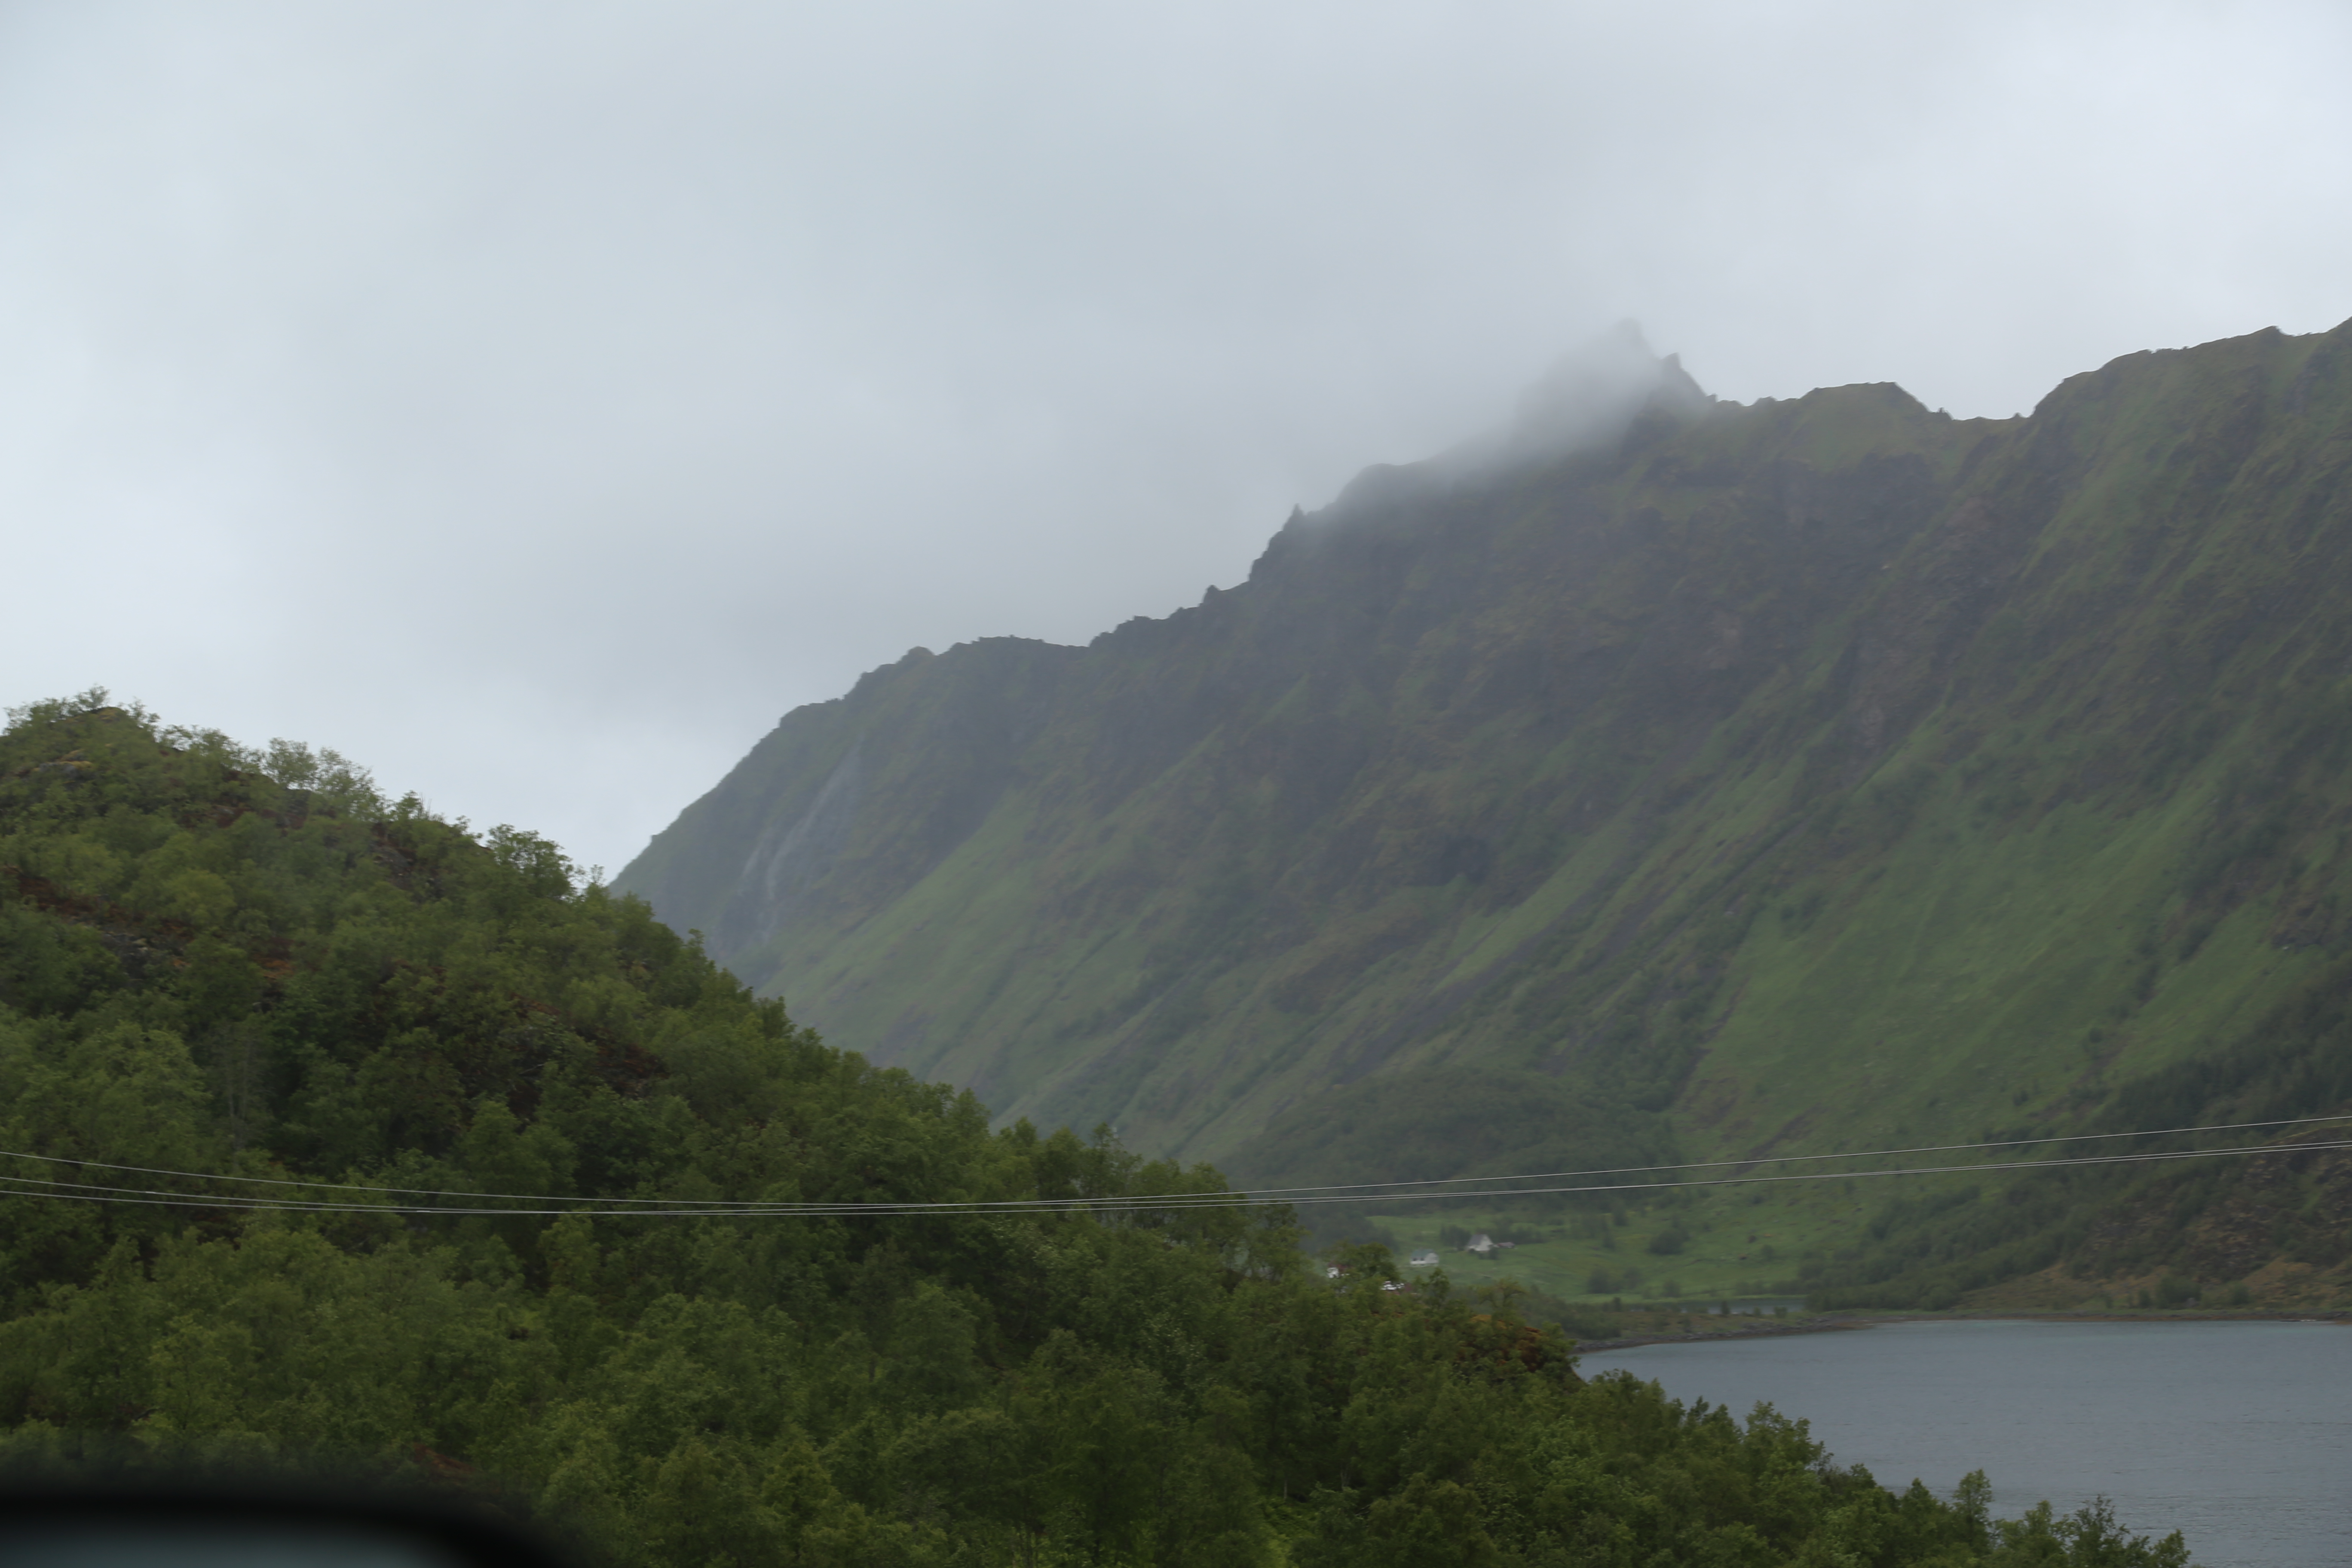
1591	394
1587	400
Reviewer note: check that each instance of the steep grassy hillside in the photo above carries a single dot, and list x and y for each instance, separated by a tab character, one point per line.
1811	774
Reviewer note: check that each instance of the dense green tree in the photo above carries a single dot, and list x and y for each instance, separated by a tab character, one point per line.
334	1132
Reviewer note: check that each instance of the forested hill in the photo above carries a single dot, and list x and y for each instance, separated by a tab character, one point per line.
339	1137
1807	774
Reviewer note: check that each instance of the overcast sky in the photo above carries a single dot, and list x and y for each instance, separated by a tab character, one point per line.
534	401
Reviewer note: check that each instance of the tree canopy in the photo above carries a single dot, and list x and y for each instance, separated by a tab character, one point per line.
321	1115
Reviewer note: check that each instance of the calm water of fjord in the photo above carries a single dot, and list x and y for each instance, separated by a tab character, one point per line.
2239	1435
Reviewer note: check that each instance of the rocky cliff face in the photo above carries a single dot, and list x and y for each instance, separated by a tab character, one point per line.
1806	771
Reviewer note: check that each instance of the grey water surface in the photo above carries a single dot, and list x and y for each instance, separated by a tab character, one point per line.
2239	1435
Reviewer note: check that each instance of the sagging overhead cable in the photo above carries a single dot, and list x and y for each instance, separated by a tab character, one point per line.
557	1207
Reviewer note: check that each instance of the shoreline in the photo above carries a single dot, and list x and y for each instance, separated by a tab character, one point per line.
2337	1317
1762	1331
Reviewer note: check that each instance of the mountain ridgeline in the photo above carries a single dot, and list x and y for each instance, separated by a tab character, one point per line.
1793	776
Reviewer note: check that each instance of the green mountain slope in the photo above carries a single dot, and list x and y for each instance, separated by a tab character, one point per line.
340	1138
1811	774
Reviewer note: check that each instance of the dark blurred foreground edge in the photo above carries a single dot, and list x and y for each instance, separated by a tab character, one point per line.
131	1525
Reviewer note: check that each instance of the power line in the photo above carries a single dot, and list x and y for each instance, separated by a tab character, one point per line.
1781	1159
1379	1191
94	1193
1897	1171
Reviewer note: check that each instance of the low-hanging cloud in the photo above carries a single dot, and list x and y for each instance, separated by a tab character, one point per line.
1589	399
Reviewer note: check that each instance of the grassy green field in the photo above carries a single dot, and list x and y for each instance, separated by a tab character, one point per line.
1725	1246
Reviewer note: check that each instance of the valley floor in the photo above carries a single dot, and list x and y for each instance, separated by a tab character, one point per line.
1725	1253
